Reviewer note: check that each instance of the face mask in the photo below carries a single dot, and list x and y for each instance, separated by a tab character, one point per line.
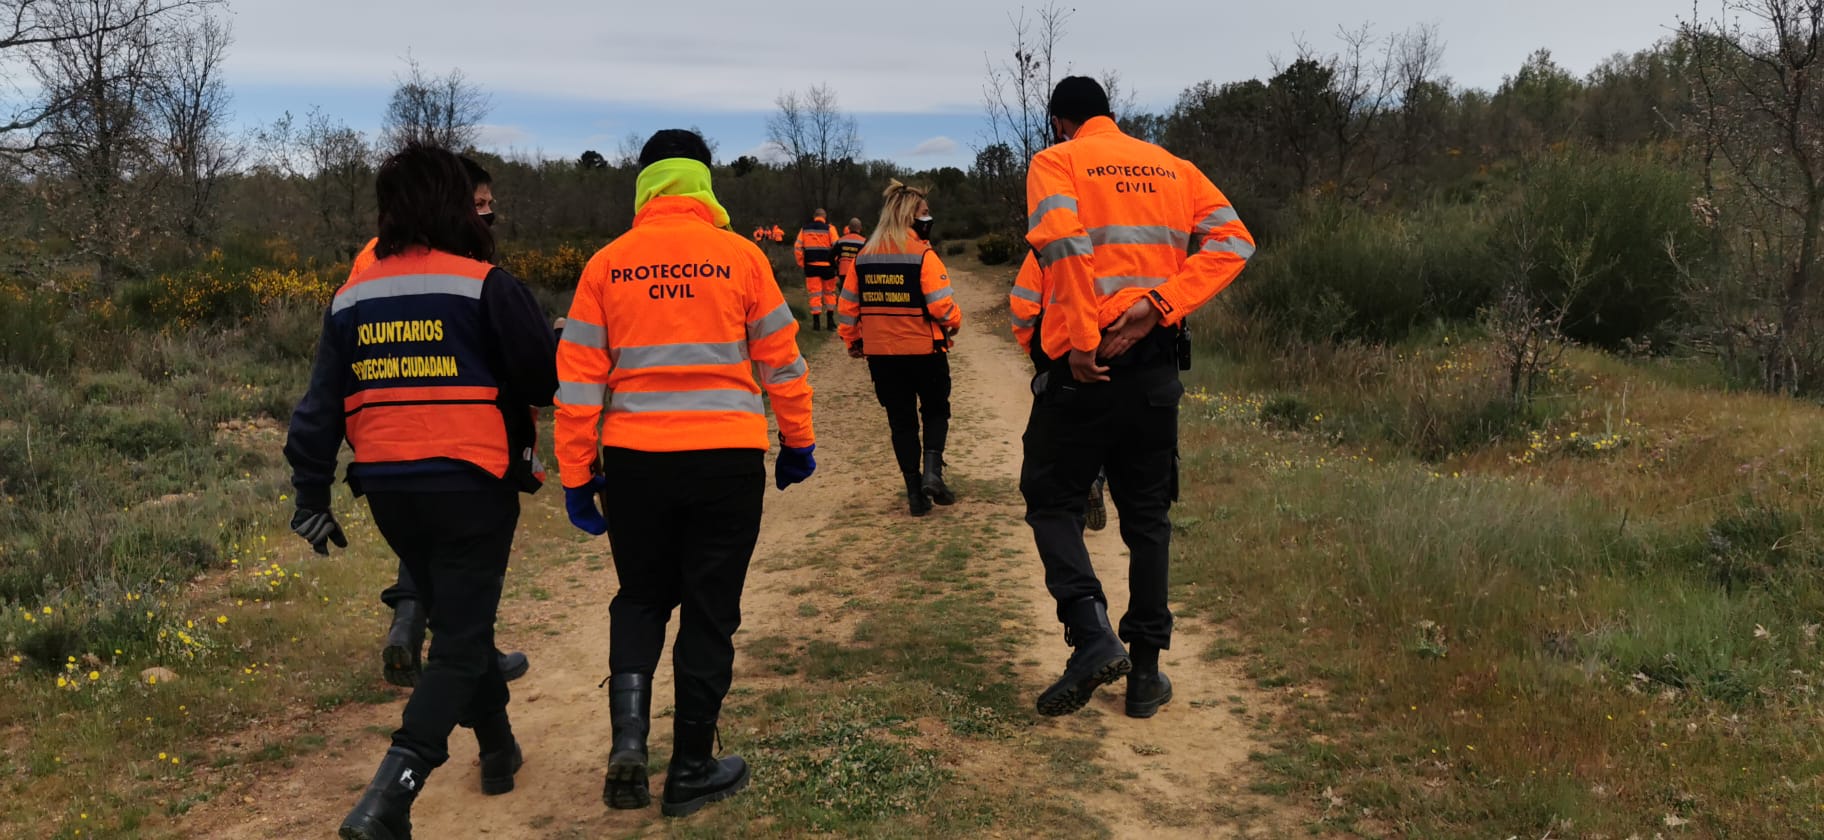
487	217
921	226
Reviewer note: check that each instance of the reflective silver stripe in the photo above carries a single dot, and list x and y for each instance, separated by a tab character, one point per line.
677	355
1024	293
847	320
1139	235
1217	219
1048	204
849	295
721	399
779	376
1075	246
407	284
587	394
890	259
770	323
1106	286
1025	323
585	334
938	295
1231	245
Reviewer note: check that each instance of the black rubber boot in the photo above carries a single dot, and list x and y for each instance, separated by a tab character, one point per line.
831	323
512	665
1097	659
404	644
385	810
1096	514
816	322
630	709
696	777
1146	692
934	479
916	501
500	755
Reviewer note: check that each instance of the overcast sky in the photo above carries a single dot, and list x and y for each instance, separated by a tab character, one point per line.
569	75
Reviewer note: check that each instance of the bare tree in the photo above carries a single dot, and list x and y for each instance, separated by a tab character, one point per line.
821	144
342	176
443	111
1017	94
1761	111
29	28
191	106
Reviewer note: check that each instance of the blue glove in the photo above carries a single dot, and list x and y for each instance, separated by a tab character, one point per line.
580	502
794	465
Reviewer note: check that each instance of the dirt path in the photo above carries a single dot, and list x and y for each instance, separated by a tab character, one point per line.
1181	774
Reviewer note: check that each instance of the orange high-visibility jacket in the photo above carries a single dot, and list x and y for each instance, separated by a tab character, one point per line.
365	259
759	234
666	328
1026	301
846	248
421	386
1112	219
778	233
900	304
815	248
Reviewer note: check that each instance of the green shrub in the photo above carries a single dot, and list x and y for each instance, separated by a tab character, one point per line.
144	432
998	249
34	332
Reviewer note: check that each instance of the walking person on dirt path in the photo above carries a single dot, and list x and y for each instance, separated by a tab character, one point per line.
815	251
1111	220
429	365
1026	310
900	314
667	326
847	248
401	657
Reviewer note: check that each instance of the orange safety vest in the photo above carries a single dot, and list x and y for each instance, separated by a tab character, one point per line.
900	304
419	383
668	325
846	248
815	249
1112	219
778	233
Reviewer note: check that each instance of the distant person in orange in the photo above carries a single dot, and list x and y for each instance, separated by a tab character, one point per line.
660	351
778	235
815	251
846	248
901	315
759	235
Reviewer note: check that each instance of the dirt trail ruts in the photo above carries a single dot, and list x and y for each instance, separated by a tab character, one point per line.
1180	774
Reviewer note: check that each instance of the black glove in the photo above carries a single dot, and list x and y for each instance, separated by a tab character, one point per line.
319	528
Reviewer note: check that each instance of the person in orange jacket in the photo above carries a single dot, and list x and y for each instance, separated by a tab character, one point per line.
815	251
1111	221
1026	310
901	315
660	350
847	247
778	235
429	366
759	235
402	656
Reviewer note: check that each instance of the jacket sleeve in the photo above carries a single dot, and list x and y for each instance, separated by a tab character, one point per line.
582	377
798	248
940	297
317	424
772	342
525	345
1026	301
1065	253
848	307
1220	244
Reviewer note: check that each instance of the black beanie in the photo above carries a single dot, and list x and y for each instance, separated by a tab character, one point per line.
1079	98
674	143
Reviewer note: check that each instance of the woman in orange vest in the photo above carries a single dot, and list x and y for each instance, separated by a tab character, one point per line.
429	364
897	311
660	351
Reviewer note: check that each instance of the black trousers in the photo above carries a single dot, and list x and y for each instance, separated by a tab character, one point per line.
912	388
1128	427
403	589
683	527
455	547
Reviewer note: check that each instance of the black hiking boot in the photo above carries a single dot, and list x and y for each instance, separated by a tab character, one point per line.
385	809
404	644
1146	692
816	322
630	710
500	755
916	501
933	479
512	665
696	777
831	323
1097	659
1096	515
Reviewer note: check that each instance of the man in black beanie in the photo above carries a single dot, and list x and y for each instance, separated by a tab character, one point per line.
1111	221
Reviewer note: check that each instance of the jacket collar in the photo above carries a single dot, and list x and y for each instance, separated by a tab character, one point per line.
674	206
1097	126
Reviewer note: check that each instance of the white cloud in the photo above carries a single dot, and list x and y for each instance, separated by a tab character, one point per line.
939	145
500	138
768	152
